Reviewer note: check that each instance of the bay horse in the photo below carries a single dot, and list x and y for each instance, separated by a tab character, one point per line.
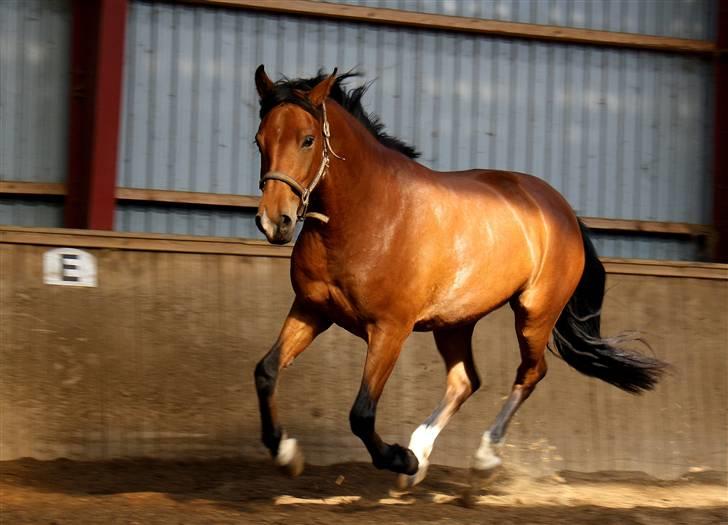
389	246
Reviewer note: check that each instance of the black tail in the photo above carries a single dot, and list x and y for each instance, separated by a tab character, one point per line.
577	335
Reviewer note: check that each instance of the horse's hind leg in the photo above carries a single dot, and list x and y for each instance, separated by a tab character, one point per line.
455	346
533	329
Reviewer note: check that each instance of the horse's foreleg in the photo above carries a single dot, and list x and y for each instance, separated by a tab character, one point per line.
384	348
455	346
299	330
533	334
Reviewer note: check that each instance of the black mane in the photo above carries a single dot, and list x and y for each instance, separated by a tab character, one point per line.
291	90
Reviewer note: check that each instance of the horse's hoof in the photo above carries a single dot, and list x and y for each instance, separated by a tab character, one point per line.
398	459
486	459
404	461
486	464
290	458
405	482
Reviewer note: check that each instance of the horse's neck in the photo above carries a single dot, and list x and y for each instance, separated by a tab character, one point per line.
367	171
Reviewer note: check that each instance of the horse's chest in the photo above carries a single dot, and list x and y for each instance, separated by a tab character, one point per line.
331	300
317	283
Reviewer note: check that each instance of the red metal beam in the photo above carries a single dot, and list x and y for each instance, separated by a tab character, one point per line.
720	159
97	59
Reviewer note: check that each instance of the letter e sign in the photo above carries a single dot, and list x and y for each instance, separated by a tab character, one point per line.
69	267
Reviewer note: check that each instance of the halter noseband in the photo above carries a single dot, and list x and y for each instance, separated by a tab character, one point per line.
305	193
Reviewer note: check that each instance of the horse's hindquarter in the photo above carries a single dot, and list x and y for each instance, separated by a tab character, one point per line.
494	234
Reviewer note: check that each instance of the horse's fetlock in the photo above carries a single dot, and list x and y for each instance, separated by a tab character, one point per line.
272	441
380	463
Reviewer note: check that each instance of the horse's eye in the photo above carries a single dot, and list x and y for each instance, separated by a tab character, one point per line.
307	142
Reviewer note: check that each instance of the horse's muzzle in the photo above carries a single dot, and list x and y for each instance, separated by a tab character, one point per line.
280	232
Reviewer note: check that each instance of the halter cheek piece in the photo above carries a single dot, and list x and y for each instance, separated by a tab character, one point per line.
305	193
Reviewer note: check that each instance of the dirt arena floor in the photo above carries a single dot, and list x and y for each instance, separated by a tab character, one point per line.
236	491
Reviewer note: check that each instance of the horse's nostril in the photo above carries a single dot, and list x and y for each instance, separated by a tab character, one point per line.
259	222
286	221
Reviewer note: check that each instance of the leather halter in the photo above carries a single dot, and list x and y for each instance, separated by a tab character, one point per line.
304	194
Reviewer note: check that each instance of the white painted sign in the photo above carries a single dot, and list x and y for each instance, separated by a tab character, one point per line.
69	267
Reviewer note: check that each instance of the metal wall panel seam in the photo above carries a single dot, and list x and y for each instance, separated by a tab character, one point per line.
127	116
20	68
7	110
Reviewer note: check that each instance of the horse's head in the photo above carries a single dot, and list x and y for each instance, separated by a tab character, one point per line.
293	153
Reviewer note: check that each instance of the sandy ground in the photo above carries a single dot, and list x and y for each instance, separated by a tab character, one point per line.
238	491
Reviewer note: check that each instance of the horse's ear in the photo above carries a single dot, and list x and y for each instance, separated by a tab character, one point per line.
321	90
262	82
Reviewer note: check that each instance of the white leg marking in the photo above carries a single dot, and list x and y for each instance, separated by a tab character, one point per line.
422	441
286	451
485	457
423	438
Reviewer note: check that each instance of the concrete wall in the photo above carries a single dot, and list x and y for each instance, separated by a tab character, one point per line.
158	361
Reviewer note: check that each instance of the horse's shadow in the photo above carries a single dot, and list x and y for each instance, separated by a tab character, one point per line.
232	482
251	486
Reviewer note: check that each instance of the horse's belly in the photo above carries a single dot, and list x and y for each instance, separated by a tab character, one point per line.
468	296
457	312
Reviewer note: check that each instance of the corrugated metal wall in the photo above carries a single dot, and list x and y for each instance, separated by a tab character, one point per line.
676	18
621	133
185	221
34	79
31	212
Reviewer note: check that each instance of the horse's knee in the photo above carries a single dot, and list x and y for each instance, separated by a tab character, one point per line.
266	374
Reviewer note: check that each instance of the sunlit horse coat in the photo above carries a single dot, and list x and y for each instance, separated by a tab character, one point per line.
389	246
